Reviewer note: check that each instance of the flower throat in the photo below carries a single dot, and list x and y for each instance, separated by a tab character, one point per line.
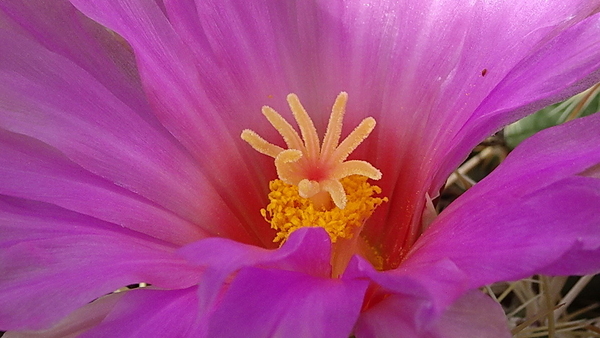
317	187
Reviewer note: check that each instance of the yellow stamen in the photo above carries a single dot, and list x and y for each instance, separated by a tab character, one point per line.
334	127
356	137
288	211
307	128
260	145
316	170
316	186
290	136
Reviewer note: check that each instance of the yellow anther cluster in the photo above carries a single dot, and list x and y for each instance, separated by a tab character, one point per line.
288	212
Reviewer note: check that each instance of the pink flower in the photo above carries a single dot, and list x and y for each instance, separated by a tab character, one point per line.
121	162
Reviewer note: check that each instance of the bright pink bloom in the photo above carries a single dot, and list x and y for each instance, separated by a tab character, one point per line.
121	162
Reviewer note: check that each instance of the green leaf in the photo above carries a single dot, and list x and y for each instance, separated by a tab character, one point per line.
582	104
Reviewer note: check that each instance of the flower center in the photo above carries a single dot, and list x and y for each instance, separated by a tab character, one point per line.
316	185
288	211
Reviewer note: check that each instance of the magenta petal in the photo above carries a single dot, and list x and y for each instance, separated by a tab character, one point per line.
568	61
168	72
307	250
173	85
472	315
75	323
207	65
60	28
54	261
389	318
430	288
51	98
537	213
146	313
577	250
32	170
277	303
539	216
553	231
424	67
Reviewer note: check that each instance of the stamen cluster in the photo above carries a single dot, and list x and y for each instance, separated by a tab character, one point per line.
317	187
315	169
288	211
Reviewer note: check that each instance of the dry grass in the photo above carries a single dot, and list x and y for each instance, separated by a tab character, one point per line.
539	306
542	306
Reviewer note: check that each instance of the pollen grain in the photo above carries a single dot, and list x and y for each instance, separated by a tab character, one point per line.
288	211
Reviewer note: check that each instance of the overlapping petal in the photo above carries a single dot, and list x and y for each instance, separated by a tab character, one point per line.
33	170
54	261
278	303
291	293
173	83
77	322
77	114
472	315
79	39
151	313
137	313
527	88
462	106
539	216
307	251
